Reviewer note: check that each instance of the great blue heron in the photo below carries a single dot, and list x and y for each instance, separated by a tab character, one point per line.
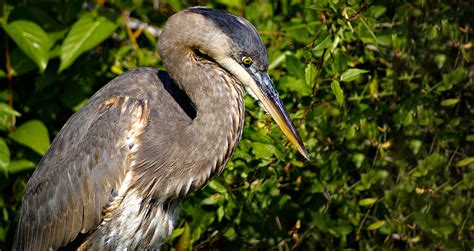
116	172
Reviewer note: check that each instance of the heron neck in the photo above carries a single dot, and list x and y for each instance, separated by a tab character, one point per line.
211	138
218	99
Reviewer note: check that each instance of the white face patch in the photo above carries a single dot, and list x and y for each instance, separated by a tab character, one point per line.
244	77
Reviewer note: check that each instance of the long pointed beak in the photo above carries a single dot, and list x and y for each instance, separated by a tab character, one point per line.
260	86
264	90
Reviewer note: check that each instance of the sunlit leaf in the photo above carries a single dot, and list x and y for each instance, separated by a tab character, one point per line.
352	74
231	3
8	110
376	225
177	232
216	185
374	88
4	156
323	40
262	150
338	92
176	4
34	135
465	162
220	213
17	166
31	39
184	242
449	102
84	35
367	201
310	74
230	233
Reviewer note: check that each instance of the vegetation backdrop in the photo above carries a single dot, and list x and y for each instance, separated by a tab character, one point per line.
381	91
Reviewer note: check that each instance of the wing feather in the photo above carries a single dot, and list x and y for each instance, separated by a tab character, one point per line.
76	178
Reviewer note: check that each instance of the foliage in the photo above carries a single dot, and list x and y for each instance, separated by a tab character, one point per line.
382	94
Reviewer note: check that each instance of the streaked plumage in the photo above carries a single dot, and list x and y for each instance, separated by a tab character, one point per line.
116	172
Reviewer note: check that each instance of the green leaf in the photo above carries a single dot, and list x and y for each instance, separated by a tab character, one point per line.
367	201
177	232
176	4
217	186
350	132
4	156
17	166
310	74
84	35
338	92
299	33
376	11
323	40
294	66
8	110
443	227
32	40
21	64
342	227
262	150
184	242
34	135
212	200
352	74
376	225
465	162
408	118
449	102
220	213
231	3
230	233
294	84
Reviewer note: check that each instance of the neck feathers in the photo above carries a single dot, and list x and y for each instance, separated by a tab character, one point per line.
201	148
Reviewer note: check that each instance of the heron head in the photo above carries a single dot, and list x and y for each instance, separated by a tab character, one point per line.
234	44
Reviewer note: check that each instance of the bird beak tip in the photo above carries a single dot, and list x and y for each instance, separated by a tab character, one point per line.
263	89
305	155
299	145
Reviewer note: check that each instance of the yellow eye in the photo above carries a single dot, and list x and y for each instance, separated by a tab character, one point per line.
247	61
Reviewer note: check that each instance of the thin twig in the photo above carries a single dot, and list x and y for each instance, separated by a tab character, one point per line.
320	67
300	240
315	88
432	144
452	158
464	221
133	41
362	223
136	24
357	14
